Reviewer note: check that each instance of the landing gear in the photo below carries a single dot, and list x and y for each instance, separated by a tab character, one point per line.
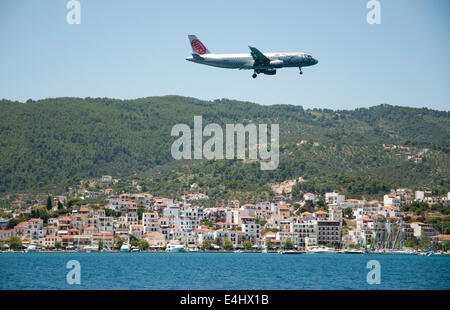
301	72
254	75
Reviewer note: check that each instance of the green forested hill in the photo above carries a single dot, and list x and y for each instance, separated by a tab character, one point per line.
56	142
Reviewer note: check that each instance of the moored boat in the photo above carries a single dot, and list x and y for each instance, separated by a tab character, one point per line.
174	246
321	250
125	248
291	252
31	249
353	251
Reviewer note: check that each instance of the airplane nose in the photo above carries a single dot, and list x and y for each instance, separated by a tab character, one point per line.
316	61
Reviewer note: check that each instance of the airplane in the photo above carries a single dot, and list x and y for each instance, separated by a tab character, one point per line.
267	63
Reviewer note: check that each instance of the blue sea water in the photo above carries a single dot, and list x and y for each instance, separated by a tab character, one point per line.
210	271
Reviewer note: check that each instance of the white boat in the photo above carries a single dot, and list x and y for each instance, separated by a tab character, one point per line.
31	249
134	249
125	248
175	247
353	251
321	250
400	252
291	252
90	248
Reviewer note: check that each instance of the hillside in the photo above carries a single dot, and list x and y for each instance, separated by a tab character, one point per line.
53	143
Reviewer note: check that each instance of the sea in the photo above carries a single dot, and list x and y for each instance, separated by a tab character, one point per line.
222	271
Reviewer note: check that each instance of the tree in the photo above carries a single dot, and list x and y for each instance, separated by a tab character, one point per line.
143	245
269	243
347	212
309	206
100	245
58	244
288	244
74	201
218	241
119	242
40	212
49	203
12	223
247	244
140	212
60	205
227	244
15	242
206	244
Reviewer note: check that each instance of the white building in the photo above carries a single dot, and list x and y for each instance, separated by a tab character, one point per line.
309	196
334	198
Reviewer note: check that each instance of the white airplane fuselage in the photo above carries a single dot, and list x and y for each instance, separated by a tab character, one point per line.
246	61
266	63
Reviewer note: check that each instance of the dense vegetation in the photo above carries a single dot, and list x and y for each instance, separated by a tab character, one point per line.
50	144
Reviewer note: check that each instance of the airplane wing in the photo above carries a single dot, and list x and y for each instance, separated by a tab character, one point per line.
258	57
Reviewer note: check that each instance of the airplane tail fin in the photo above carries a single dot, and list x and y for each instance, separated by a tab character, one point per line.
197	46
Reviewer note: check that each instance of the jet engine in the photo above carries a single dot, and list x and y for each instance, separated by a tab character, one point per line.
269	71
276	64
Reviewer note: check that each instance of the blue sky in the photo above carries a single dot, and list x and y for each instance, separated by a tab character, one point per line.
132	49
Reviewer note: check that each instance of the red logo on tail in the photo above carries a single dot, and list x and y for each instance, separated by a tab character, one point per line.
198	47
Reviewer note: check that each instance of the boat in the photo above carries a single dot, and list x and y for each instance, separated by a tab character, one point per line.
90	249
125	248
291	252
192	250
174	246
135	249
31	249
400	252
321	250
237	251
353	251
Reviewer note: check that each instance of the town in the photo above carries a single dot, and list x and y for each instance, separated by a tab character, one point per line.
132	222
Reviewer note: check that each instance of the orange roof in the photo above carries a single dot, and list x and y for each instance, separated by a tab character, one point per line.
154	234
320	212
442	237
366	219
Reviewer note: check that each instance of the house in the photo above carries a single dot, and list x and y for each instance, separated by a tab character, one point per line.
328	232
155	239
334	198
442	239
106	238
336	215
320	215
309	196
50	241
421	229
106	179
293	236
